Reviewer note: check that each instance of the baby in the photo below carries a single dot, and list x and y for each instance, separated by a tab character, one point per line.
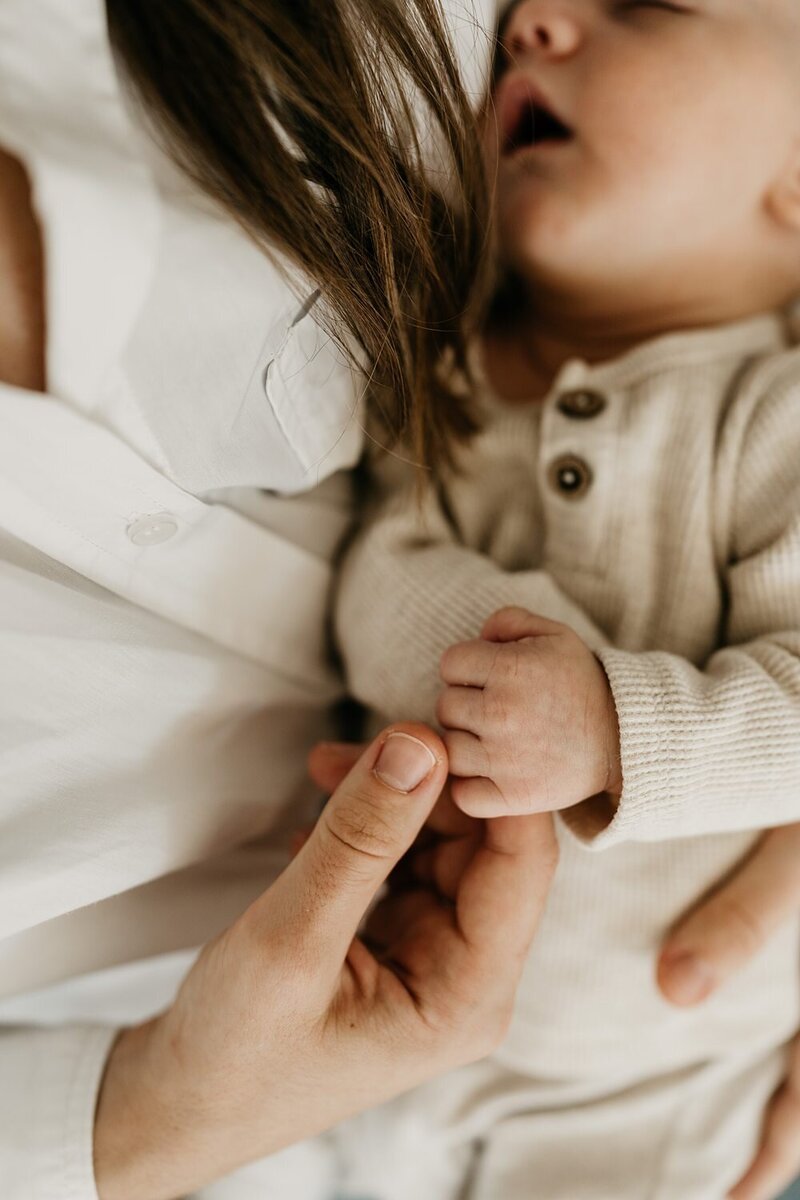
634	496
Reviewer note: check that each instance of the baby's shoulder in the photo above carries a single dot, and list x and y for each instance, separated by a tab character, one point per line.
758	460
765	403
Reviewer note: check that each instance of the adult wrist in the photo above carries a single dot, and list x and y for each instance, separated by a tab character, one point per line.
137	1143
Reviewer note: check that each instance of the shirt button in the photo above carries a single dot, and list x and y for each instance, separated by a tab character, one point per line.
152	531
581	404
570	476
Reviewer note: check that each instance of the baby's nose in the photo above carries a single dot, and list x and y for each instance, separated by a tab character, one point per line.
550	28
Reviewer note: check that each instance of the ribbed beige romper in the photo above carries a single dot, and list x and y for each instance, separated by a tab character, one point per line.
653	504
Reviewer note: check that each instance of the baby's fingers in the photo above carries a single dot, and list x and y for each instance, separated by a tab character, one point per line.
461	708
469	664
480	797
467	754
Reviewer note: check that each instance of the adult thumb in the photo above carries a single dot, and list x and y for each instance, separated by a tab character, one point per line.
368	824
512	624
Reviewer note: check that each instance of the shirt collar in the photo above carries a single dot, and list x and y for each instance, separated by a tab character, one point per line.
762	334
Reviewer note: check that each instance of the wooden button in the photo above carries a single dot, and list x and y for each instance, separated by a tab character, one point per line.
570	476
581	404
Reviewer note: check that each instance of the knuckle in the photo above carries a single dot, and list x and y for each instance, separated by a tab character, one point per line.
283	966
455	755
495	708
446	660
451	741
443	707
460	753
486	758
361	823
500	652
523	802
505	664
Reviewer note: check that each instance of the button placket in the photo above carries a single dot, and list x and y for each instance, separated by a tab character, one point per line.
570	474
577	453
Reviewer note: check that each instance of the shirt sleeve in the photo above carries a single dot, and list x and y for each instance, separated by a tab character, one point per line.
717	749
49	1083
408	589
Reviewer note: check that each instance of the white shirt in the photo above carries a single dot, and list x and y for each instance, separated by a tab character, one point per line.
164	568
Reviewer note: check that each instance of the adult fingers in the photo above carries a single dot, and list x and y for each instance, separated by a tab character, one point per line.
393	916
503	892
447	819
329	763
367	825
721	934
778	1160
443	864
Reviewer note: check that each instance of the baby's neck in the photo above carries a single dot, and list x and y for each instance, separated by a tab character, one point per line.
527	343
521	360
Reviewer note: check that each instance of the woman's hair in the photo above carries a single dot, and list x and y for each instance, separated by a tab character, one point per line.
310	121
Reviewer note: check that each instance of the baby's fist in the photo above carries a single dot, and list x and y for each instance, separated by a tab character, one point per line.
529	718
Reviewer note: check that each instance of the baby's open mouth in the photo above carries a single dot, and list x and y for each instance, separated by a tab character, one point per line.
527	121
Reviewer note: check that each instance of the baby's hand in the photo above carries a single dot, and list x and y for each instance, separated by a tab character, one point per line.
529	718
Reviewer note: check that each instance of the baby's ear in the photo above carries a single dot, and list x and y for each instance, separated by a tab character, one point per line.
783	198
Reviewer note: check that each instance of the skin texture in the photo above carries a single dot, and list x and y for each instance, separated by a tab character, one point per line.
676	204
21	281
677	201
290	993
529	718
720	936
703	952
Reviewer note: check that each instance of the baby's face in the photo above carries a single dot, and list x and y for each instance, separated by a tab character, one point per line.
640	137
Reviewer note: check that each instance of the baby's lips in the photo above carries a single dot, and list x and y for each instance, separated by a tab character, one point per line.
516	97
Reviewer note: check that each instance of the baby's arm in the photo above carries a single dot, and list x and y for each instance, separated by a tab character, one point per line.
408	589
703	751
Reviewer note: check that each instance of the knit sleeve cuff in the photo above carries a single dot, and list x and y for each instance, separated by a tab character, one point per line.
651	803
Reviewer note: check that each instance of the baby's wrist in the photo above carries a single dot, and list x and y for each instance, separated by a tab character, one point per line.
614	782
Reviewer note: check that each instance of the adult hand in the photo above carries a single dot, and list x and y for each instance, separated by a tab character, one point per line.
717	938
21	280
287	1023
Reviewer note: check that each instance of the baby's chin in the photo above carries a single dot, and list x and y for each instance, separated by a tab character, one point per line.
540	254
578	266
